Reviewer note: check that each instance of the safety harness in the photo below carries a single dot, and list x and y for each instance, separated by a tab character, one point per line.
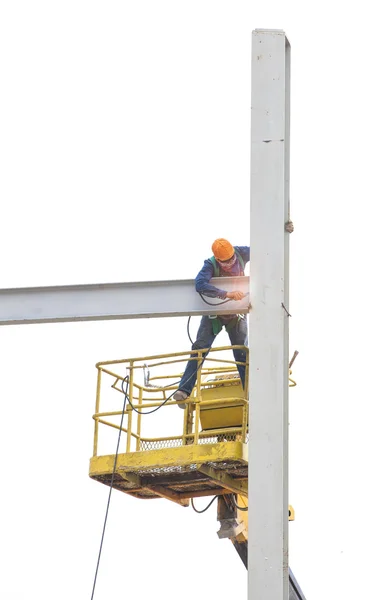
217	323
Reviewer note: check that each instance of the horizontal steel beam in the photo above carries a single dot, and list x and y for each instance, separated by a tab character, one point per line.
108	301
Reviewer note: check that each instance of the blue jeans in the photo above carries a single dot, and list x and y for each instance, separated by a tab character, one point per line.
205	337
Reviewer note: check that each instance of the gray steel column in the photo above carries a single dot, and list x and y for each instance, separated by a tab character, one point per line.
269	270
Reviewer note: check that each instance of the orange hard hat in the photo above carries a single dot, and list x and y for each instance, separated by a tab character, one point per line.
222	249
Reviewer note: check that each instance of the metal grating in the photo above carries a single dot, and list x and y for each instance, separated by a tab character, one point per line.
217	439
146	445
156	445
167	470
232	468
186	479
118	482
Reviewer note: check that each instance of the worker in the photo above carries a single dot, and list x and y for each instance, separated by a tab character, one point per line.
227	261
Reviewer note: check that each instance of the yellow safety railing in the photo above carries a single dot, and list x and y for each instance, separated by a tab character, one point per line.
217	409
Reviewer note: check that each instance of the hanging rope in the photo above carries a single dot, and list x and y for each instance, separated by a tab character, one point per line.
110	490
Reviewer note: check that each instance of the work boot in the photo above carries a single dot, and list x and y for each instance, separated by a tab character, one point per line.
179	396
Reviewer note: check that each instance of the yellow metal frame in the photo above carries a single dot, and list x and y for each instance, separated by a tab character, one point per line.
145	398
207	456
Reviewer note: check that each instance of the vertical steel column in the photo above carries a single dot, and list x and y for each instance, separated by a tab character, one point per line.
269	272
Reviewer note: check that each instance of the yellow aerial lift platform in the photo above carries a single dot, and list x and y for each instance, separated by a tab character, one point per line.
205	453
206	456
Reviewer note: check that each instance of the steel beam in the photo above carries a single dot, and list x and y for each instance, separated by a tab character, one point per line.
268	435
97	302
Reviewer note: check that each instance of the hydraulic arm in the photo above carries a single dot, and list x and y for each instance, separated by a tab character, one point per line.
232	513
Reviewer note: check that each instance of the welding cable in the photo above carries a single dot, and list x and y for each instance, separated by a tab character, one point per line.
244	508
204	509
149	412
111	487
140	412
219	303
172	384
188	329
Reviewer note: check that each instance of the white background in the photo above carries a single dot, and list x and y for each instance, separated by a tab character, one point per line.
125	151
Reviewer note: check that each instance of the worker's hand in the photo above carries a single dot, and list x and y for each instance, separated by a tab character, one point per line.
235	295
289	226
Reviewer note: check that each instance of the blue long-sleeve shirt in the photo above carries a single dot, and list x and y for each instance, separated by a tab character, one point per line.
202	279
